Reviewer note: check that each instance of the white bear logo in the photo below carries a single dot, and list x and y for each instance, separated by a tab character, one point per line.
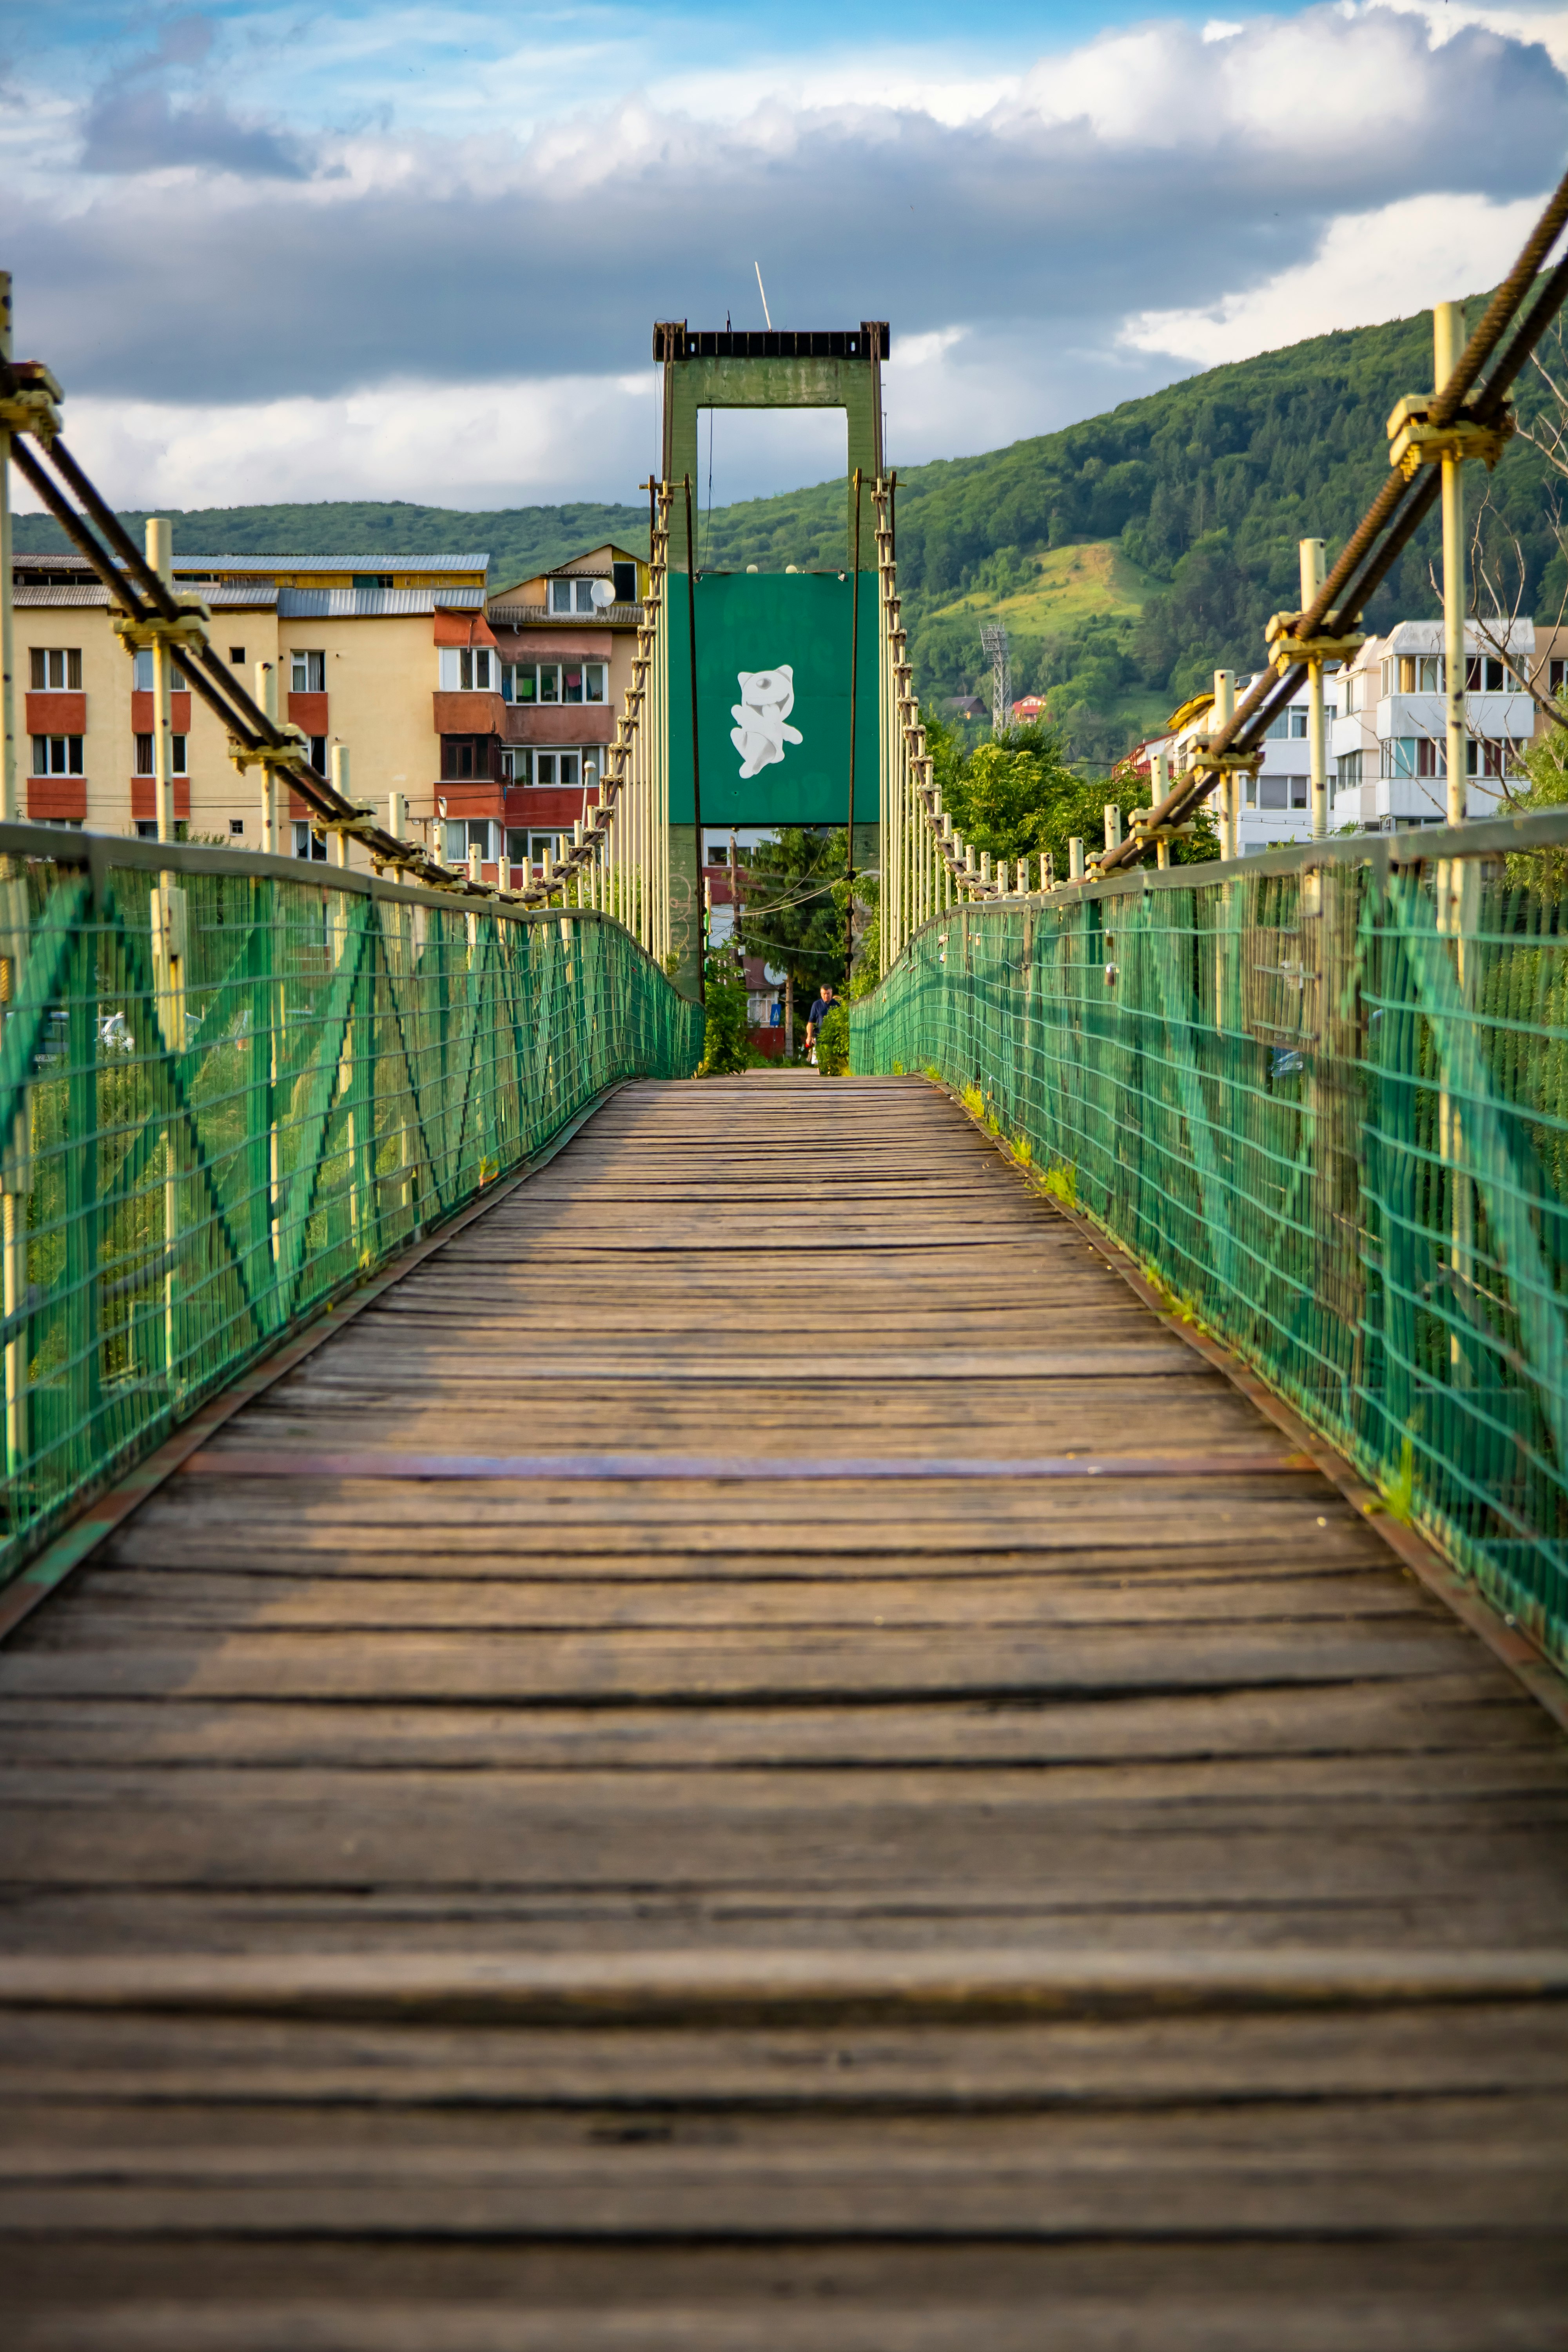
760	733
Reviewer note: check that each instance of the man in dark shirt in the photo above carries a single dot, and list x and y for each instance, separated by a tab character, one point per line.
821	1007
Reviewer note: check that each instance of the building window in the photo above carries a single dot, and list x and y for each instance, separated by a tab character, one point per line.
625	577
318	754
237	655
555	682
572	596
468	669
1483	759
1413	755
1348	770
147	829
1282	792
141	674
237	825
1352	692
1291	726
1386	675
557	768
466	758
1557	677
527	848
463	834
58	755
55	670
308	843
373	579
307	673
144	755
1484	674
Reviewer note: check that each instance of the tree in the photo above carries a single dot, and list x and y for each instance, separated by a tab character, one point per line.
1017	796
791	915
726	1046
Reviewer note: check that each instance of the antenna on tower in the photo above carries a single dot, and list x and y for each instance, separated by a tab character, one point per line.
993	641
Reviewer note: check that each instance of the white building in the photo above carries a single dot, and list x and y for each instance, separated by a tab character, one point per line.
1276	802
1387	742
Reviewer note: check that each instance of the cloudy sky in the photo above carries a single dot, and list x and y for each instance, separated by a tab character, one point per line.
373	248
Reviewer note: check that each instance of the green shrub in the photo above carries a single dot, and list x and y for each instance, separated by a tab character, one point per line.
833	1044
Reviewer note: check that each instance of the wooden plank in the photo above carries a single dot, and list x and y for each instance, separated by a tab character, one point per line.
1054	1881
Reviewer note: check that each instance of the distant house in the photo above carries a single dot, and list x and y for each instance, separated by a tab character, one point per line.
965	705
1028	707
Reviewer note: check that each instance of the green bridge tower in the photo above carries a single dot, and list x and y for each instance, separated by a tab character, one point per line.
772	648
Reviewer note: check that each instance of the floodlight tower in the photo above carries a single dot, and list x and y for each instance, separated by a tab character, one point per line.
993	641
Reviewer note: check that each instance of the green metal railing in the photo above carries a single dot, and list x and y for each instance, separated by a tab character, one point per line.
1323	1095
230	1085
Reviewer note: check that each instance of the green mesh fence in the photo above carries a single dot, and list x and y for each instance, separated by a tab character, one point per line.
223	1101
1324	1097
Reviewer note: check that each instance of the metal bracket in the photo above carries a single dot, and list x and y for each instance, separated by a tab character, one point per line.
1413	443
1226	763
295	752
189	628
30	402
1291	648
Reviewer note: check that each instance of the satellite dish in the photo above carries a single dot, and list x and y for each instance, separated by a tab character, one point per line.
603	593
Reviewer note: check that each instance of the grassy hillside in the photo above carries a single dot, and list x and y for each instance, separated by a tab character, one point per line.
1129	555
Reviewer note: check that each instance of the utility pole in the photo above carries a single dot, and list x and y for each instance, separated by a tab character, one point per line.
993	641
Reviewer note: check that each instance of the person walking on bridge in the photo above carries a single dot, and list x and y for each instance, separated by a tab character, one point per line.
822	1005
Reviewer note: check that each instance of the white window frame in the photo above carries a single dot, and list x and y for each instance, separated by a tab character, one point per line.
461	831
142	673
58	755
301	659
44	658
466	669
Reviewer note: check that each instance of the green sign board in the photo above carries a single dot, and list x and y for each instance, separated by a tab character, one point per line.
773	698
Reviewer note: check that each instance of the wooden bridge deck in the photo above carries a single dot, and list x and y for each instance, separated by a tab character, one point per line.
882	1913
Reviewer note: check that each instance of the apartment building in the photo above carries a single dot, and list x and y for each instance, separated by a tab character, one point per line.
555	654
1276	804
1388	750
354	644
1386	727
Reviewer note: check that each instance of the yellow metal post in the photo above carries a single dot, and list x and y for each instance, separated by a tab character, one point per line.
159	543
338	762
1220	717
1313	555
267	698
1447	342
7	631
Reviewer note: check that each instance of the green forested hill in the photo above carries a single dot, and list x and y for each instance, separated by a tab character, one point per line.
519	540
1187	505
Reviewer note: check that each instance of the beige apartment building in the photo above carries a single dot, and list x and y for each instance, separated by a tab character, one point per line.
492	724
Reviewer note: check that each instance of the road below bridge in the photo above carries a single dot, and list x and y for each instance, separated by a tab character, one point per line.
757	1754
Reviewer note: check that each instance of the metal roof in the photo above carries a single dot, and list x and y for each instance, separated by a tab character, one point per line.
371	603
376	563
535	617
203	567
76	594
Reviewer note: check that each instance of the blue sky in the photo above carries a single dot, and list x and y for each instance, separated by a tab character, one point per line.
298	251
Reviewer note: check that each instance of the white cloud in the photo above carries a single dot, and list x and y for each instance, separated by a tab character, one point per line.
1044	244
1369	267
466	444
